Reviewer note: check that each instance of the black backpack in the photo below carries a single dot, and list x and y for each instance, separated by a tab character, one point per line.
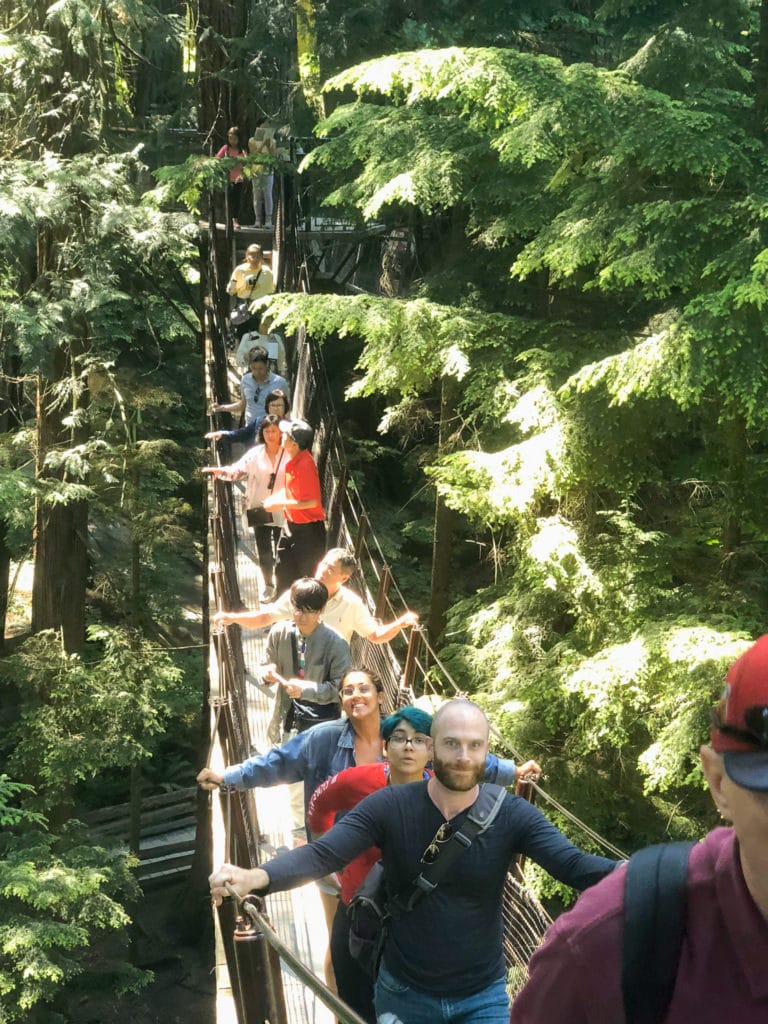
654	926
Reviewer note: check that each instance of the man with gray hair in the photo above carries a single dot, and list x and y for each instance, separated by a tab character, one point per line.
346	612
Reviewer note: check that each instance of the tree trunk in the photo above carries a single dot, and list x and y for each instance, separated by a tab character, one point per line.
760	72
220	105
60	540
445	522
735	444
134	828
5	576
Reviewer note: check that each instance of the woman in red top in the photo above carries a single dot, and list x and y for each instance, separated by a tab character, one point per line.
237	182
407	747
302	540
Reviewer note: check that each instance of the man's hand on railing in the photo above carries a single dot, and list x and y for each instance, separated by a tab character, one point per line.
209	779
242	880
529	771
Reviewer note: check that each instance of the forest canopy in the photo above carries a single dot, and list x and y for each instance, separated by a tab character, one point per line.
586	207
571	362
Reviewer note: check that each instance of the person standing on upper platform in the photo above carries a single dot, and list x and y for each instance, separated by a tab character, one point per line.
302	538
255	387
722	966
234	148
262	143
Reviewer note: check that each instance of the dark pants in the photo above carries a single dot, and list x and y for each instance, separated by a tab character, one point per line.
300	548
250	325
266	545
237	197
354	985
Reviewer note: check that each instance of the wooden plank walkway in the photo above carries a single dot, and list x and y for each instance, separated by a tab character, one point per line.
297	916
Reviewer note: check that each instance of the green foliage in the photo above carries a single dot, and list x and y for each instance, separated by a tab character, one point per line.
10	815
81	715
57	893
71	72
187	183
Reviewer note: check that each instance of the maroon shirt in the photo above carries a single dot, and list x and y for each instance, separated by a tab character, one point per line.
723	971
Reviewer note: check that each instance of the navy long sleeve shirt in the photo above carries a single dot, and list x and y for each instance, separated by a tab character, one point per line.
450	944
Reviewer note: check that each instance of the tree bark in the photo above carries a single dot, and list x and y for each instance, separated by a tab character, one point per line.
60	540
445	522
760	73
60	530
5	576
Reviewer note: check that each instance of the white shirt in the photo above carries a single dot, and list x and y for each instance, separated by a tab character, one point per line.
345	612
258	465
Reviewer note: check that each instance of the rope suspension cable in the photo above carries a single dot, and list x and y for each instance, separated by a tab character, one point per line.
504	742
345	1014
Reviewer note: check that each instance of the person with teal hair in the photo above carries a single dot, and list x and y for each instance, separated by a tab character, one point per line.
407	748
419	720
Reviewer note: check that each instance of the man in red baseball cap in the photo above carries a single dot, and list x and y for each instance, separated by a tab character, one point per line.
739	730
722	965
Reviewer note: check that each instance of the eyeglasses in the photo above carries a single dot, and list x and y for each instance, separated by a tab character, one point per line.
400	739
756	721
363	689
442	835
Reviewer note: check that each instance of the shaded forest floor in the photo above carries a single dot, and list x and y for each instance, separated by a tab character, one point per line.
175	942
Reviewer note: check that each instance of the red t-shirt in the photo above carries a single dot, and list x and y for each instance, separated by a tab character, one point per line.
342	792
302	482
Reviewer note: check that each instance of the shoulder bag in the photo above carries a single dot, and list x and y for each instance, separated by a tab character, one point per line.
261	516
241	313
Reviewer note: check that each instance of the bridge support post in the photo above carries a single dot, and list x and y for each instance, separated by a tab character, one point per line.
363	528
385	582
411	658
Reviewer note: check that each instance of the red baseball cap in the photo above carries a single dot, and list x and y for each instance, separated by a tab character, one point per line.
740	722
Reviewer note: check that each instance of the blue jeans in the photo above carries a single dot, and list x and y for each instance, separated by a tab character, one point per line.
397	1003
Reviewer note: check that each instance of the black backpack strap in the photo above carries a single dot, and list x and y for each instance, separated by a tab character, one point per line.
294	651
654	925
481	816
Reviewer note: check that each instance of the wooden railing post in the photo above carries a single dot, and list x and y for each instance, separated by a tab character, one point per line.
337	509
385	582
227	913
363	528
414	646
252	966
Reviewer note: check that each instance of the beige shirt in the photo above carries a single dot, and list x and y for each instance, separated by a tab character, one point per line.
264	286
345	612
